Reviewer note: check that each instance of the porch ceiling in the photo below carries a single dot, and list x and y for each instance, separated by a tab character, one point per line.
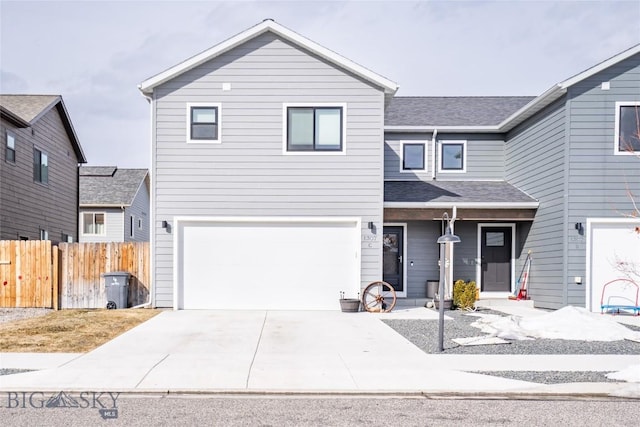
468	214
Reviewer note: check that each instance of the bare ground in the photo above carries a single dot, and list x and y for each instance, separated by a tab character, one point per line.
65	331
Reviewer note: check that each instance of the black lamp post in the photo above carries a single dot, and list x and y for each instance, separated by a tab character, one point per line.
447	237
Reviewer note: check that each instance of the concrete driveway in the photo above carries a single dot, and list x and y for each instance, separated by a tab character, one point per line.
266	351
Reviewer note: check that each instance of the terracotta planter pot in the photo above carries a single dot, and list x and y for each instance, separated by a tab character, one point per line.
350	305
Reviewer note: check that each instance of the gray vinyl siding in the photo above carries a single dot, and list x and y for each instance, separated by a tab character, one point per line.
422	250
140	210
535	163
599	181
28	206
248	174
485	157
114	226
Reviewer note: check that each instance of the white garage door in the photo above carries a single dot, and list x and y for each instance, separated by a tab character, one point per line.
275	263
613	251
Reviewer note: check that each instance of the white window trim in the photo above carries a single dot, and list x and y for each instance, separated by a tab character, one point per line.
285	116
480	226
464	156
132	226
616	147
405	257
12	136
426	156
94	213
188	122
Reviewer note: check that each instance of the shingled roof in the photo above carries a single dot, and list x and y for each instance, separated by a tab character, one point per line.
452	111
109	185
25	110
456	193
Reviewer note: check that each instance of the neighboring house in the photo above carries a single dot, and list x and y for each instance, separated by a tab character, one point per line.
285	173
114	204
38	169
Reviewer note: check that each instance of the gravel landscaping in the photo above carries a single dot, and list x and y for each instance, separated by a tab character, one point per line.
11	314
424	334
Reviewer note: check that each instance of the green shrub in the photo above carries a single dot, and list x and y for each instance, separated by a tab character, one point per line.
464	294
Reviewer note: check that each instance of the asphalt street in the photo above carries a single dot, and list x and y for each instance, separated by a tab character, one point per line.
164	410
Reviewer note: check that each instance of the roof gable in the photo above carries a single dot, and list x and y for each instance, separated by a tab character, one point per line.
110	185
389	87
26	110
556	91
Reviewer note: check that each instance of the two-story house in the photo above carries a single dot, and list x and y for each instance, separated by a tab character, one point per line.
38	169
114	204
285	174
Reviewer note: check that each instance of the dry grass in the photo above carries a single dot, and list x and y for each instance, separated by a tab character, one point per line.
69	331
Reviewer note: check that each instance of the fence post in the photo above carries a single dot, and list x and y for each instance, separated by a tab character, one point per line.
55	276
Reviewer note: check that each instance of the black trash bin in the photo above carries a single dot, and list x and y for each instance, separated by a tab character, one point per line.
116	286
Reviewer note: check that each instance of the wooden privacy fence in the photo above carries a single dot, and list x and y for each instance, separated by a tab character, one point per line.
33	273
82	265
28	274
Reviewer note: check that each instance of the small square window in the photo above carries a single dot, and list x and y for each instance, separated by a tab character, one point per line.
11	148
452	156
314	128
93	223
627	135
40	166
44	235
413	157
203	122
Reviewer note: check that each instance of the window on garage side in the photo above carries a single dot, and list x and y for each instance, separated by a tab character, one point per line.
627	135
40	166
453	156
314	128
11	148
93	223
413	156
203	123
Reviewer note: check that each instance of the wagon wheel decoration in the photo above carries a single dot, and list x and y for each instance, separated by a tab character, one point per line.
379	297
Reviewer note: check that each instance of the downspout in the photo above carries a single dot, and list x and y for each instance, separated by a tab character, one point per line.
433	153
151	234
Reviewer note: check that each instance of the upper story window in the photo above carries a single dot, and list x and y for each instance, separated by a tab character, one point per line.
40	166
11	148
453	156
314	128
413	156
627	137
203	122
93	223
132	228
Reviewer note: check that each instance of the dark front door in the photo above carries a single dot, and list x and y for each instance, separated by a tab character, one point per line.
496	259
392	257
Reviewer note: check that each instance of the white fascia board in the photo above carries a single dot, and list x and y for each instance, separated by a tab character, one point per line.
104	206
552	94
147	86
556	91
442	129
267	219
601	66
463	205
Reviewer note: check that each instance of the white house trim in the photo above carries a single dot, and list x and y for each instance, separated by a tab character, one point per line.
482	225
473	205
402	294
147	86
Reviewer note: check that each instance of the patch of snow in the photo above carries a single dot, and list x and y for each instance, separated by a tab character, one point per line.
630	374
567	323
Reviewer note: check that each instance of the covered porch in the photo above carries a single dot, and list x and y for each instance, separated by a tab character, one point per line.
492	219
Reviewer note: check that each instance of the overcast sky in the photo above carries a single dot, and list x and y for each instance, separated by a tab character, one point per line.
95	53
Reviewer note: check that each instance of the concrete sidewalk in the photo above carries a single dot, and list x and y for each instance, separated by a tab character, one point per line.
292	352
